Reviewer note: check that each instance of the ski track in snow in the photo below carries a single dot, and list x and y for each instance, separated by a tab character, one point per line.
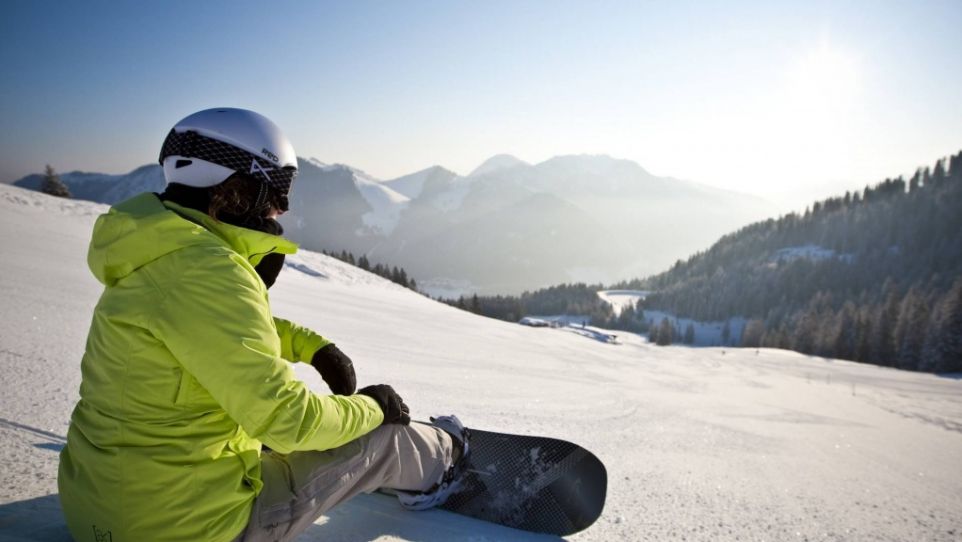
699	443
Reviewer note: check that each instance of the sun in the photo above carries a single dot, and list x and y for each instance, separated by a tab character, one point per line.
824	80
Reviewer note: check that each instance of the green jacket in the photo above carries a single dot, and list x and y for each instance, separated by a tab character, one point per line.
185	374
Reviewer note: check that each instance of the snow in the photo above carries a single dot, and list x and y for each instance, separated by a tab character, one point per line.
619	299
592	332
706	333
699	443
410	185
447	288
811	252
534	322
386	204
451	199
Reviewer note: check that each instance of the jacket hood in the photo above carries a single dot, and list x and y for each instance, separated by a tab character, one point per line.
142	229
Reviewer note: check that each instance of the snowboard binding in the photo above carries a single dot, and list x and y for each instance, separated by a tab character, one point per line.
451	481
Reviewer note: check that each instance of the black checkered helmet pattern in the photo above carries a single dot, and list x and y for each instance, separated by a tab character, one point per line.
206	148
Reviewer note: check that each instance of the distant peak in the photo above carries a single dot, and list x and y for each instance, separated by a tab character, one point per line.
590	159
598	164
497	162
433	170
439	169
324	166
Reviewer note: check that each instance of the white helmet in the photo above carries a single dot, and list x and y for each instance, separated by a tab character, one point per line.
206	148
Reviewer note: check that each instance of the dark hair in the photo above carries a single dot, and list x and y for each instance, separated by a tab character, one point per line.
239	196
233	201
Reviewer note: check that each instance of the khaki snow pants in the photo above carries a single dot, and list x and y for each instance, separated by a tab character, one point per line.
301	486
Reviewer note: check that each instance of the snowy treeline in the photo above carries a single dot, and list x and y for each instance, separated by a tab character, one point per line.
394	274
919	330
579	300
892	296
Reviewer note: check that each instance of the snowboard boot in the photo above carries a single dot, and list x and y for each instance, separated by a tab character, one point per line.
451	481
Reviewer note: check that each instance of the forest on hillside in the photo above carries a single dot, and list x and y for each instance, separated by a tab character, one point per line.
394	274
873	276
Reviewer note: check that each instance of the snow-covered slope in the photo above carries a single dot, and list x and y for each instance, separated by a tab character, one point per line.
619	299
700	444
386	204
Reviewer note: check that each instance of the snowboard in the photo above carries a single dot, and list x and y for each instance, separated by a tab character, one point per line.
536	484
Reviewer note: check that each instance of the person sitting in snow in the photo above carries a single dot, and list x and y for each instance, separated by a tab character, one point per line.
186	373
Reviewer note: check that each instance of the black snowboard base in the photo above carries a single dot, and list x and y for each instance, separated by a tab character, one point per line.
536	484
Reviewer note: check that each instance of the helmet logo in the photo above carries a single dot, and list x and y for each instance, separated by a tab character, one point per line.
257	168
269	154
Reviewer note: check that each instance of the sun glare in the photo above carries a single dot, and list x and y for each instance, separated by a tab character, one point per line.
809	119
825	80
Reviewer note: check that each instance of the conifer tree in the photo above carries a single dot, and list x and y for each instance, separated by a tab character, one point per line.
884	327
950	342
955	167
53	185
864	333
803	337
665	333
910	330
938	174
846	340
653	334
753	333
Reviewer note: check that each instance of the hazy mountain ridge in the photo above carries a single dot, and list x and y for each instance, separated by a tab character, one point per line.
610	217
427	181
103	187
640	222
872	276
327	208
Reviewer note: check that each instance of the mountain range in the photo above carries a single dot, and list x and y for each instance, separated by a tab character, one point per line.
505	227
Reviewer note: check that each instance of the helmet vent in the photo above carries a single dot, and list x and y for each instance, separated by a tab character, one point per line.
182	163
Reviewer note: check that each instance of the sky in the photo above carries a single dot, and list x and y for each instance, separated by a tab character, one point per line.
791	101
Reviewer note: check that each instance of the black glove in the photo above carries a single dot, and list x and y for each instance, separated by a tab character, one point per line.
393	407
270	267
336	369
